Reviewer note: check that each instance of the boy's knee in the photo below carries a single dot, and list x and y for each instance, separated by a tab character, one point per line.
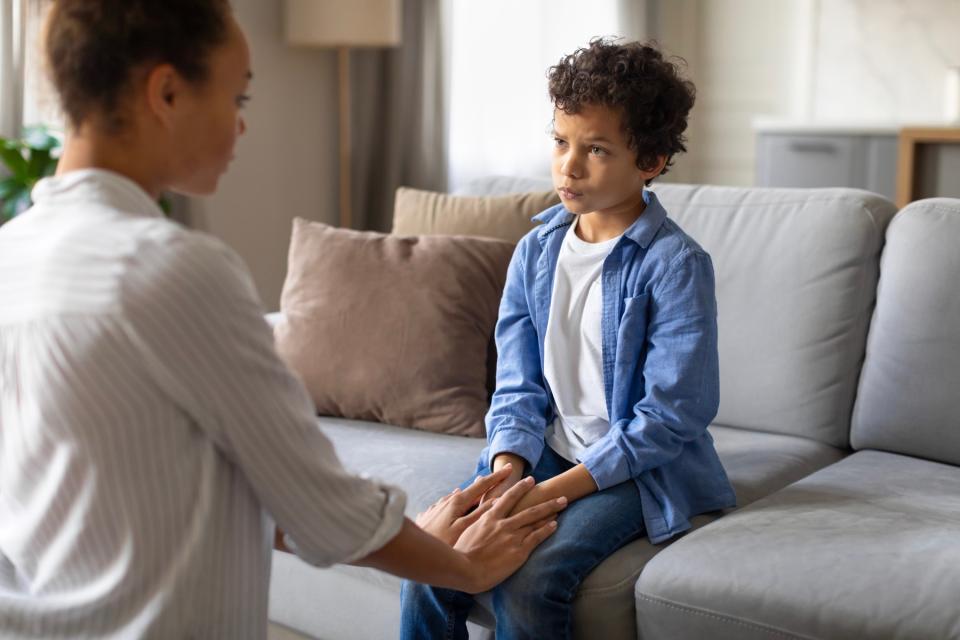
532	582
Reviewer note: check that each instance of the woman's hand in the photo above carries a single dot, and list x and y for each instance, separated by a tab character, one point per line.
449	516
516	463
498	544
540	493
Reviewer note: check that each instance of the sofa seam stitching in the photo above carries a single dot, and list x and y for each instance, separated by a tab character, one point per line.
723	618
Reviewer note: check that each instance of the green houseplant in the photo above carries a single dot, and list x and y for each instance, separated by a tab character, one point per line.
27	160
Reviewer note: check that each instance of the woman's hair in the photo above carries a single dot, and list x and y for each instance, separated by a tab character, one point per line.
635	79
93	47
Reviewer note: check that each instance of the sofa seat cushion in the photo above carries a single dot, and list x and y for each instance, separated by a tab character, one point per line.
760	463
428	465
866	548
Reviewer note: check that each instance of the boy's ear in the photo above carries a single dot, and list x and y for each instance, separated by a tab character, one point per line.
655	170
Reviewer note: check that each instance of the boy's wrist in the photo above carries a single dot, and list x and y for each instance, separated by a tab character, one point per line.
519	464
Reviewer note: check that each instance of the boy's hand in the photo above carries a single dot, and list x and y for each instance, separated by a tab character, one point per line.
449	516
572	484
505	459
498	544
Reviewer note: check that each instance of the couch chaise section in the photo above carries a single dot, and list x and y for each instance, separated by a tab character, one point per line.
868	547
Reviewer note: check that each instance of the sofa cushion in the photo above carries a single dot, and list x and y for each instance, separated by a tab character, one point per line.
759	463
796	271
909	389
393	329
506	217
429	465
866	548
501	185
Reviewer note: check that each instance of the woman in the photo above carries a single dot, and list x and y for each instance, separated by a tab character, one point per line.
149	435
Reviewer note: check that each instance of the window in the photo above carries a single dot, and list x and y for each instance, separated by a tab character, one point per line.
499	53
26	96
39	98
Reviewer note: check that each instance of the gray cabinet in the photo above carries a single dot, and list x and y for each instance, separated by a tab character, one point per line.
828	159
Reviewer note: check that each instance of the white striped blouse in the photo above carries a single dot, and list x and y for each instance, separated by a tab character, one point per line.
149	434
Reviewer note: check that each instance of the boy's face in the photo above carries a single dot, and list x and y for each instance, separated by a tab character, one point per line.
594	169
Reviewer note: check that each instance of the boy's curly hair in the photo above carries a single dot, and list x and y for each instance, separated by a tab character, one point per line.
636	79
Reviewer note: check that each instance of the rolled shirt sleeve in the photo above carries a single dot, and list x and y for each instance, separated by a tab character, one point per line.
680	377
195	317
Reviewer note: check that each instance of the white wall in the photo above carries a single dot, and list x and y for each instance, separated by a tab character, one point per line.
884	59
847	61
286	164
747	58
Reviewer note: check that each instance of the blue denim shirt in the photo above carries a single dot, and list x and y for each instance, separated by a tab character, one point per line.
660	366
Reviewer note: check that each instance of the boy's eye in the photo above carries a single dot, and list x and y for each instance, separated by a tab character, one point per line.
559	142
242	100
597	151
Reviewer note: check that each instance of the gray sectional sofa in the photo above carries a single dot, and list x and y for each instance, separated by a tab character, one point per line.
839	426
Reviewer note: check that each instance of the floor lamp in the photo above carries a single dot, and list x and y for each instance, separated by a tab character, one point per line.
343	24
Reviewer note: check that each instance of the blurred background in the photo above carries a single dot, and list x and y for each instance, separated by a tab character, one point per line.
789	93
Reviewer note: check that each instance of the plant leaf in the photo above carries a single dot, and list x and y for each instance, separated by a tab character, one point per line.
7	208
21	202
9	186
51	167
13	158
39	158
38	137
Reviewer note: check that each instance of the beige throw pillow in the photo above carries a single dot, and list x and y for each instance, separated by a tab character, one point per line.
393	329
506	217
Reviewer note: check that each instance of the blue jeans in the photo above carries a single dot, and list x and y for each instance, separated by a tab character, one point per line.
536	601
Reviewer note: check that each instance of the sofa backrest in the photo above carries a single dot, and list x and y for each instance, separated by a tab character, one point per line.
909	396
796	277
796	274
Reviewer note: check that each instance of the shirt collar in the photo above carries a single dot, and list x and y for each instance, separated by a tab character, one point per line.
641	231
98	186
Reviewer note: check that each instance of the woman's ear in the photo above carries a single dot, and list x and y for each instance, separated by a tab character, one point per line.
164	88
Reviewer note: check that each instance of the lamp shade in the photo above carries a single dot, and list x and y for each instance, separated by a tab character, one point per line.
343	23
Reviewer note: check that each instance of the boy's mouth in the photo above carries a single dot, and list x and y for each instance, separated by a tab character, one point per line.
568	194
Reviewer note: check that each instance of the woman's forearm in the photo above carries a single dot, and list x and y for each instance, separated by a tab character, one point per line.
418	556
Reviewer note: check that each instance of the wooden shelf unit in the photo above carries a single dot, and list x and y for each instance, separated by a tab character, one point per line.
909	139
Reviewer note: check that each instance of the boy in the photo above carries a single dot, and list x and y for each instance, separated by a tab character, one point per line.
608	370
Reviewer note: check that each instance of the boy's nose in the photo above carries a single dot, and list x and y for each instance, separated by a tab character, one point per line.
572	166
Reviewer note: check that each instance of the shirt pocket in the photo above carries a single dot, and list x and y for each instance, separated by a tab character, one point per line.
632	331
630	355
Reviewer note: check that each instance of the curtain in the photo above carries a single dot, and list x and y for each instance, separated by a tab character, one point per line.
398	111
11	67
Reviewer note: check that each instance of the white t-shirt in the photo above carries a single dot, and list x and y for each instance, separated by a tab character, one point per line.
573	347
